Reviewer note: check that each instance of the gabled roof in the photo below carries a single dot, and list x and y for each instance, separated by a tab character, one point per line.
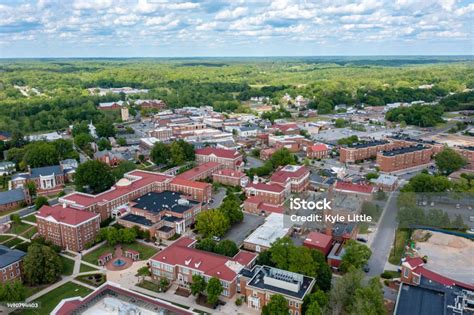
65	215
230	173
198	170
189	183
318	147
9	256
222	153
273	187
13	195
289	172
358	188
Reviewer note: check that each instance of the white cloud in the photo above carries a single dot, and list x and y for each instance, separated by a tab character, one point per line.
207	26
92	4
231	14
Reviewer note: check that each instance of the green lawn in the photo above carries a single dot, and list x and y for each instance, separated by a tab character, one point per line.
94	255
30	232
13	242
19	228
50	300
33	290
4	238
85	268
95	280
149	285
30	218
68	265
401	237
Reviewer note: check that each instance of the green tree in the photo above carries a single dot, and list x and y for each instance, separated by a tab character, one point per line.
315	303
369	299
323	271
81	128
83	141
95	175
160	153
15	218
198	285
123	167
121	141
143	272
206	244
40	154
41	201
449	161
356	255
214	289
277	305
226	248
31	188
104	144
342	293
12	291
105	129
212	223
231	208
127	235
41	265
340	123
112	236
177	154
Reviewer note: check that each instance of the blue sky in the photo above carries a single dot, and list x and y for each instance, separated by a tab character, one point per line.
158	28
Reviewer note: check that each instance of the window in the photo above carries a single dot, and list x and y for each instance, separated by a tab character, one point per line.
405	272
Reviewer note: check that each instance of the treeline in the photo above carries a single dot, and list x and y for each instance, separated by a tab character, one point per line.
417	115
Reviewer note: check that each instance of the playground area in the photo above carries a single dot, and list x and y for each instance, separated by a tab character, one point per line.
449	255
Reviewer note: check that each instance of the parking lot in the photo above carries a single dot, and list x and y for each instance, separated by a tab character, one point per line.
239	232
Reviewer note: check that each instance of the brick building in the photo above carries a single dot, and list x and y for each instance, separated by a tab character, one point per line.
317	151
296	176
266	154
202	171
67	227
199	191
48	180
180	261
361	190
162	133
270	193
468	153
229	158
287	129
403	158
151	104
230	177
10	264
319	241
363	151
256	205
14	198
261	282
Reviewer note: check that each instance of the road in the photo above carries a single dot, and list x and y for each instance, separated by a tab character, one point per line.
384	236
239	232
218	197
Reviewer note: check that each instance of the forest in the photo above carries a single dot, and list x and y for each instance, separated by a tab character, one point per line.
61	97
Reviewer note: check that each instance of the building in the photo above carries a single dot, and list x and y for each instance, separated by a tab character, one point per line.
163	214
261	282
111	298
151	104
385	182
295	176
287	128
202	171
229	158
403	158
425	292
363	151
47	180
468	153
319	241
124	113
230	177
180	261
265	235
10	264
67	227
162	133
317	151
360	190
199	191
14	198
7	168
266	154
111	105
272	193
256	205
334	257
111	158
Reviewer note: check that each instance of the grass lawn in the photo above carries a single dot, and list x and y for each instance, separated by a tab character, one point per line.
95	280
94	255
49	301
401	237
19	228
4	238
30	232
149	285
145	251
33	290
13	242
85	268
30	218
68	266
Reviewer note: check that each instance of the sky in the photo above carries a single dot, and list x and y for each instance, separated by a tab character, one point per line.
198	28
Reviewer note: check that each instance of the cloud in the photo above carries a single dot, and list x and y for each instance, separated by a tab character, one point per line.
231	14
92	4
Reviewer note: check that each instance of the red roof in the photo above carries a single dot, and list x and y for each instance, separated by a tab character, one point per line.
318	239
289	172
286	127
198	170
230	173
270	208
132	251
66	215
318	147
254	200
273	187
359	188
222	153
210	264
414	262
189	183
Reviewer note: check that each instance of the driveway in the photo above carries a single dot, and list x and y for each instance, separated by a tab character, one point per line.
239	232
218	197
253	162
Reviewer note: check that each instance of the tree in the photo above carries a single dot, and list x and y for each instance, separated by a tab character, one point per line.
40	154
127	235
41	201
105	129
104	144
226	248
12	291
356	255
81	128
111	235
342	293
206	244
231	209
315	303
214	289
41	265
449	161
198	285
323	271
122	168
83	140
95	175
143	272
31	188
340	123
369	300
177	154
212	223
160	153
277	305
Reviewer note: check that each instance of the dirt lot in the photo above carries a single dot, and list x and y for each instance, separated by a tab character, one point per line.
449	255
452	139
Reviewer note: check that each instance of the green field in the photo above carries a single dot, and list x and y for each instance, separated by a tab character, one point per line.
50	300
94	255
68	266
145	251
19	228
85	268
13	242
30	218
4	238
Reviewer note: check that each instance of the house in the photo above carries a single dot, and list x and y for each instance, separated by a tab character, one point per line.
111	296
47	180
67	227
230	177
266	154
11	266
319	241
180	261
294	176
317	151
385	182
261	282
7	168
229	158
111	158
264	236
287	128
14	198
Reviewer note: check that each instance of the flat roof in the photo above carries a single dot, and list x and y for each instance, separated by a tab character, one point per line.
273	229
366	144
137	219
404	150
165	200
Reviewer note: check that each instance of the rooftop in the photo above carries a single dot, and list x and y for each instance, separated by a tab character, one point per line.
138	219
415	148
166	200
289	172
9	256
273	187
356	188
198	170
222	153
13	195
66	215
318	239
273	229
367	144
